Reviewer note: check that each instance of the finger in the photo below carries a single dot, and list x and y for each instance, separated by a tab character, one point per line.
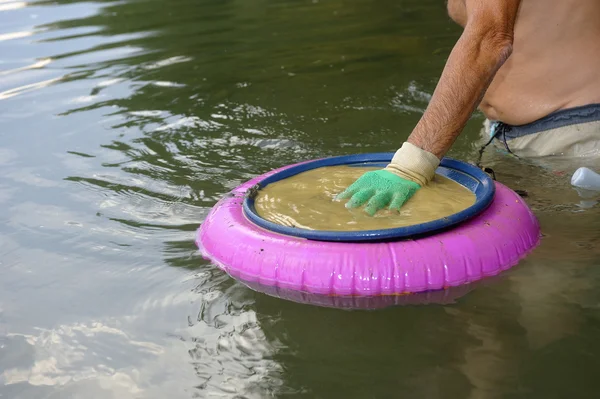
398	200
377	202
349	192
360	198
355	187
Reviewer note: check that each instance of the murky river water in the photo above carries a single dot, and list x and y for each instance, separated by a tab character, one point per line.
123	122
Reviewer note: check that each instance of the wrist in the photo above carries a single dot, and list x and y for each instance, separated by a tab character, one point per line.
413	163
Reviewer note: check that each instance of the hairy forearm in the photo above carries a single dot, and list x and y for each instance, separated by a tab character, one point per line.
470	68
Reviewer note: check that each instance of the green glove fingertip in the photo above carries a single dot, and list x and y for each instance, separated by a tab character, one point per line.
347	193
397	201
377	202
401	197
360	198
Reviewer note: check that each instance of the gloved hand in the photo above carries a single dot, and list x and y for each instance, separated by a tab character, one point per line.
410	169
379	188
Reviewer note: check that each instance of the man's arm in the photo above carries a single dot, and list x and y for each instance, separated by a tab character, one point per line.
484	46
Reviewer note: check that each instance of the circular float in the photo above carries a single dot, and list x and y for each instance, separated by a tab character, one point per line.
343	268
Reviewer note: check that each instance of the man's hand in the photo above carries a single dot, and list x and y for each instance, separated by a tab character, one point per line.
380	188
410	169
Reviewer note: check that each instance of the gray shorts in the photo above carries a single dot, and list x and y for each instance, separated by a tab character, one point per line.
569	132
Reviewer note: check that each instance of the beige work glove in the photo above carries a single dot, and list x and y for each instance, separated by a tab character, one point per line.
412	163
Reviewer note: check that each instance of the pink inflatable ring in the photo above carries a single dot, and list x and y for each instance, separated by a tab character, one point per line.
482	241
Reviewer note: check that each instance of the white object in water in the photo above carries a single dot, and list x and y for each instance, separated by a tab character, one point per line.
586	178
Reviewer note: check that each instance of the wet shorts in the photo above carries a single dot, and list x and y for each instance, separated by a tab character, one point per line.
569	132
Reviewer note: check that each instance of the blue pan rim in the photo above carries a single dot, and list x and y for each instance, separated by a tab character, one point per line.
469	176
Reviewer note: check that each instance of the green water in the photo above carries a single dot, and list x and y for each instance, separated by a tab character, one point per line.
122	123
